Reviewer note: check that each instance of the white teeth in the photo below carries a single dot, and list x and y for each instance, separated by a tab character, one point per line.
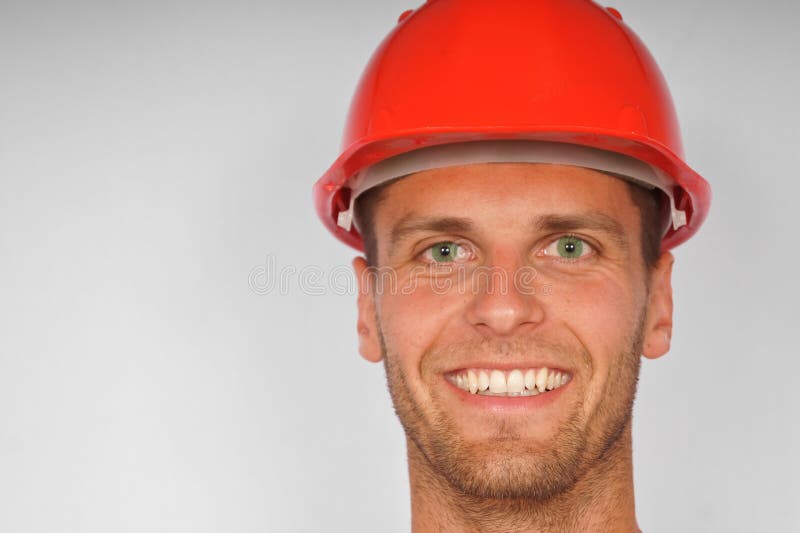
516	382
473	381
530	379
541	379
497	382
483	381
528	382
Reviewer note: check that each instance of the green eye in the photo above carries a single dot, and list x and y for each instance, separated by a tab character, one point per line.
571	247
444	252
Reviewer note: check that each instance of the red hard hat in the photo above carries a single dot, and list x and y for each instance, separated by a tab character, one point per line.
564	71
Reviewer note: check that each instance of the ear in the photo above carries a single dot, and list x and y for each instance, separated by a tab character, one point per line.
658	325
369	345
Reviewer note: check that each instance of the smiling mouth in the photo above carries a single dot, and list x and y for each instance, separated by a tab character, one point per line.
517	382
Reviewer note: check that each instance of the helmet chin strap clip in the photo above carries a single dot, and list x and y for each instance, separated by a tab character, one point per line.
678	216
457	154
345	218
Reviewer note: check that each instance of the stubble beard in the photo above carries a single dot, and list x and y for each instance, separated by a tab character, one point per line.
504	466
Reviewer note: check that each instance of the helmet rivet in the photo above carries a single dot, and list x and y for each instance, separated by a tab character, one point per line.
404	15
614	12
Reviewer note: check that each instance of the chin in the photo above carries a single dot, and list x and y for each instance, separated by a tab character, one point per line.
506	467
508	470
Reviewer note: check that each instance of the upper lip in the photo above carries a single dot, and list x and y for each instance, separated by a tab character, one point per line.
508	365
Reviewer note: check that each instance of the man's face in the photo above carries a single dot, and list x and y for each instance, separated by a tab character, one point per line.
541	267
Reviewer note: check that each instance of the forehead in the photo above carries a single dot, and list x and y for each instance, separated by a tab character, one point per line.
501	193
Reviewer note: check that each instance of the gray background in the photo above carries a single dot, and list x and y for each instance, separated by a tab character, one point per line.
154	154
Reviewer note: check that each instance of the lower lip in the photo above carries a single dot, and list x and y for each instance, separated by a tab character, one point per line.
505	404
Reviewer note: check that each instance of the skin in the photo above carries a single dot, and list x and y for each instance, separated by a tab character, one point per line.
562	462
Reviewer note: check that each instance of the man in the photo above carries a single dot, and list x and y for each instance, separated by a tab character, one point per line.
513	172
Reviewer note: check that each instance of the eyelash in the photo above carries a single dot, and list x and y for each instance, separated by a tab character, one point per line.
459	244
593	250
591	253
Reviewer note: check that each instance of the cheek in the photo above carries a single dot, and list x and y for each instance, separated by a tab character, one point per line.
414	321
601	312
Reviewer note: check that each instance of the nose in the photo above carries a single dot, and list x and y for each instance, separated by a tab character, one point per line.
504	300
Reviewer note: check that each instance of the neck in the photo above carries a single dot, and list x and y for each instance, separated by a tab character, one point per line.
601	500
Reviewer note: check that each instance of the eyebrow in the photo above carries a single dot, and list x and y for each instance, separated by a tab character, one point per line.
591	221
411	224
